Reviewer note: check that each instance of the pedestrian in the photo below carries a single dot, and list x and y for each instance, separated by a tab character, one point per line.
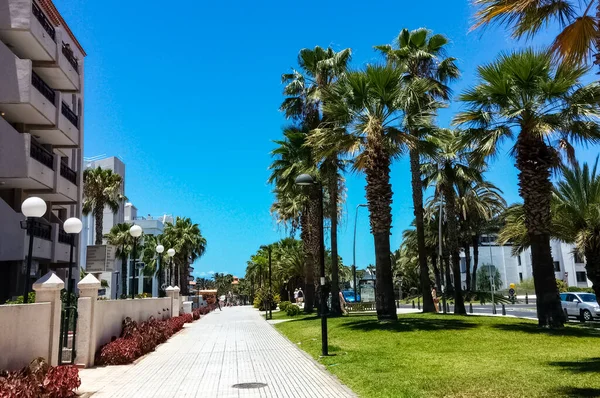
343	304
300	296
296	295
436	299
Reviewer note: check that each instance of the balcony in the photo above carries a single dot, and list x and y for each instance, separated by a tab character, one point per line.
27	30
68	173
62	74
43	88
40	230
43	156
70	115
64	237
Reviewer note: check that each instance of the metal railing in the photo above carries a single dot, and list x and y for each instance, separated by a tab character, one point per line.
64	237
68	173
39	230
40	16
68	53
70	115
43	88
40	154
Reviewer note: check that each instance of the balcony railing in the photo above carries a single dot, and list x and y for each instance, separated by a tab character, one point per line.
39	230
64	237
43	88
38	153
70	115
68	173
68	53
40	16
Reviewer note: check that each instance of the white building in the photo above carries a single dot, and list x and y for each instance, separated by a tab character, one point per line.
568	266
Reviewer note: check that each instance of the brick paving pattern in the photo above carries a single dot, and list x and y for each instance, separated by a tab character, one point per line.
209	356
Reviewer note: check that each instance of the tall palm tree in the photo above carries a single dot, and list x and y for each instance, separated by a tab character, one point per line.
423	56
368	104
319	68
543	103
101	187
451	165
579	39
120	237
186	238
155	264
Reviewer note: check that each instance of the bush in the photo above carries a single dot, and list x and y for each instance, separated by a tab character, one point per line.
284	305
293	310
19	300
575	289
260	298
40	380
61	381
561	286
188	318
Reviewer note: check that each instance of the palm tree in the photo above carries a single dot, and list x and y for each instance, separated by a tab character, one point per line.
580	35
154	267
120	237
544	103
368	104
319	68
422	55
101	187
189	244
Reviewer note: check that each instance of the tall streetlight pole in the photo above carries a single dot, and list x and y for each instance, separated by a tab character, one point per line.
159	251
72	226
135	231
171	253
354	251
32	208
269	296
307	180
440	253
490	271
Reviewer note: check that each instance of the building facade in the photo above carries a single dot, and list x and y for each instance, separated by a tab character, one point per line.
41	138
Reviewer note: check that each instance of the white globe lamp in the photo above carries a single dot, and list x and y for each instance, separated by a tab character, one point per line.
34	207
72	225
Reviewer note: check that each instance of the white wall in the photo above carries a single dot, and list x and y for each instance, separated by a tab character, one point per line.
24	334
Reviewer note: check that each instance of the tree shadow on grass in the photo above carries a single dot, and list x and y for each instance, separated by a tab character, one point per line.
588	365
410	324
577	392
529	327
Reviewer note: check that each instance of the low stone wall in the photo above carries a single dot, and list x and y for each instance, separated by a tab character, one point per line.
25	334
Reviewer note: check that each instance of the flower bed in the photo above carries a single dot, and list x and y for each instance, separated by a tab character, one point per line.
40	380
139	339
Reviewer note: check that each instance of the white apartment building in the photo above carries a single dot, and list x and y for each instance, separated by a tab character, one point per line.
41	138
568	266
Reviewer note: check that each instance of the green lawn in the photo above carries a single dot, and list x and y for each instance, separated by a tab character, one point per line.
452	356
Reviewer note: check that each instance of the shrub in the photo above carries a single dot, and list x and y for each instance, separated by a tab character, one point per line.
575	289
40	380
561	286
284	305
292	310
19	300
261	297
187	318
61	381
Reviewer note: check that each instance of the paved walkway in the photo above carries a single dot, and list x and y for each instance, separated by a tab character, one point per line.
209	356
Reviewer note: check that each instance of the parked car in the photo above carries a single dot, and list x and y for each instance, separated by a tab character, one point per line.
583	306
349	296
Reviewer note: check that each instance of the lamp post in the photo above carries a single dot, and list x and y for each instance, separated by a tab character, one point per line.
171	253
490	271
32	208
440	253
270	310
354	251
159	250
307	180
72	226
135	231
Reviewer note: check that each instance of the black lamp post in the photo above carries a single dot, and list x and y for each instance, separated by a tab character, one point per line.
32	208
307	180
171	253
72	226
135	231
354	251
269	295
159	251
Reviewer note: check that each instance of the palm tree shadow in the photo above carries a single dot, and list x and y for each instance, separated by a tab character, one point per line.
410	324
532	328
577	392
588	365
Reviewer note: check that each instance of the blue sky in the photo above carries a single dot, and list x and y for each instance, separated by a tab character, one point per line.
188	95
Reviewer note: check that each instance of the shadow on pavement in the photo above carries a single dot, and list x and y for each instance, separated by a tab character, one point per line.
588	365
529	327
576	392
410	324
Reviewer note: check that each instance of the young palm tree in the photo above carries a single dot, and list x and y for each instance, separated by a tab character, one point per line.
580	35
189	244
119	236
101	187
542	103
422	56
156	264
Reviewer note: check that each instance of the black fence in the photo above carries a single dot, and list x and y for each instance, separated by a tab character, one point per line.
40	154
43	88
70	115
40	16
68	173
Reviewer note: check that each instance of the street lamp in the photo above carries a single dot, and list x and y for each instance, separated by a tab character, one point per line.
72	226
159	249
270	310
135	231
440	252
354	251
171	253
31	208
307	180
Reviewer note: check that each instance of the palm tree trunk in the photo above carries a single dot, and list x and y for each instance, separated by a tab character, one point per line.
475	243
379	199
309	293
124	275
467	247
459	304
333	215
597	55
436	272
417	195
99	216
592	267
534	160
449	287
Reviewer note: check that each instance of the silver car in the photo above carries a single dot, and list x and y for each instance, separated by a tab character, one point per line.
583	306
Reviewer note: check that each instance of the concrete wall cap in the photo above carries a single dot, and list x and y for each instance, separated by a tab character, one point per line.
169	289
177	289
50	281
89	282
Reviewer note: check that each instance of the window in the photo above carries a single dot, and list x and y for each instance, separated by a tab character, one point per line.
581	276
519	260
570	297
556	266
520	277
578	258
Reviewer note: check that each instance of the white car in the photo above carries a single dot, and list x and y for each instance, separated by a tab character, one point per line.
583	306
